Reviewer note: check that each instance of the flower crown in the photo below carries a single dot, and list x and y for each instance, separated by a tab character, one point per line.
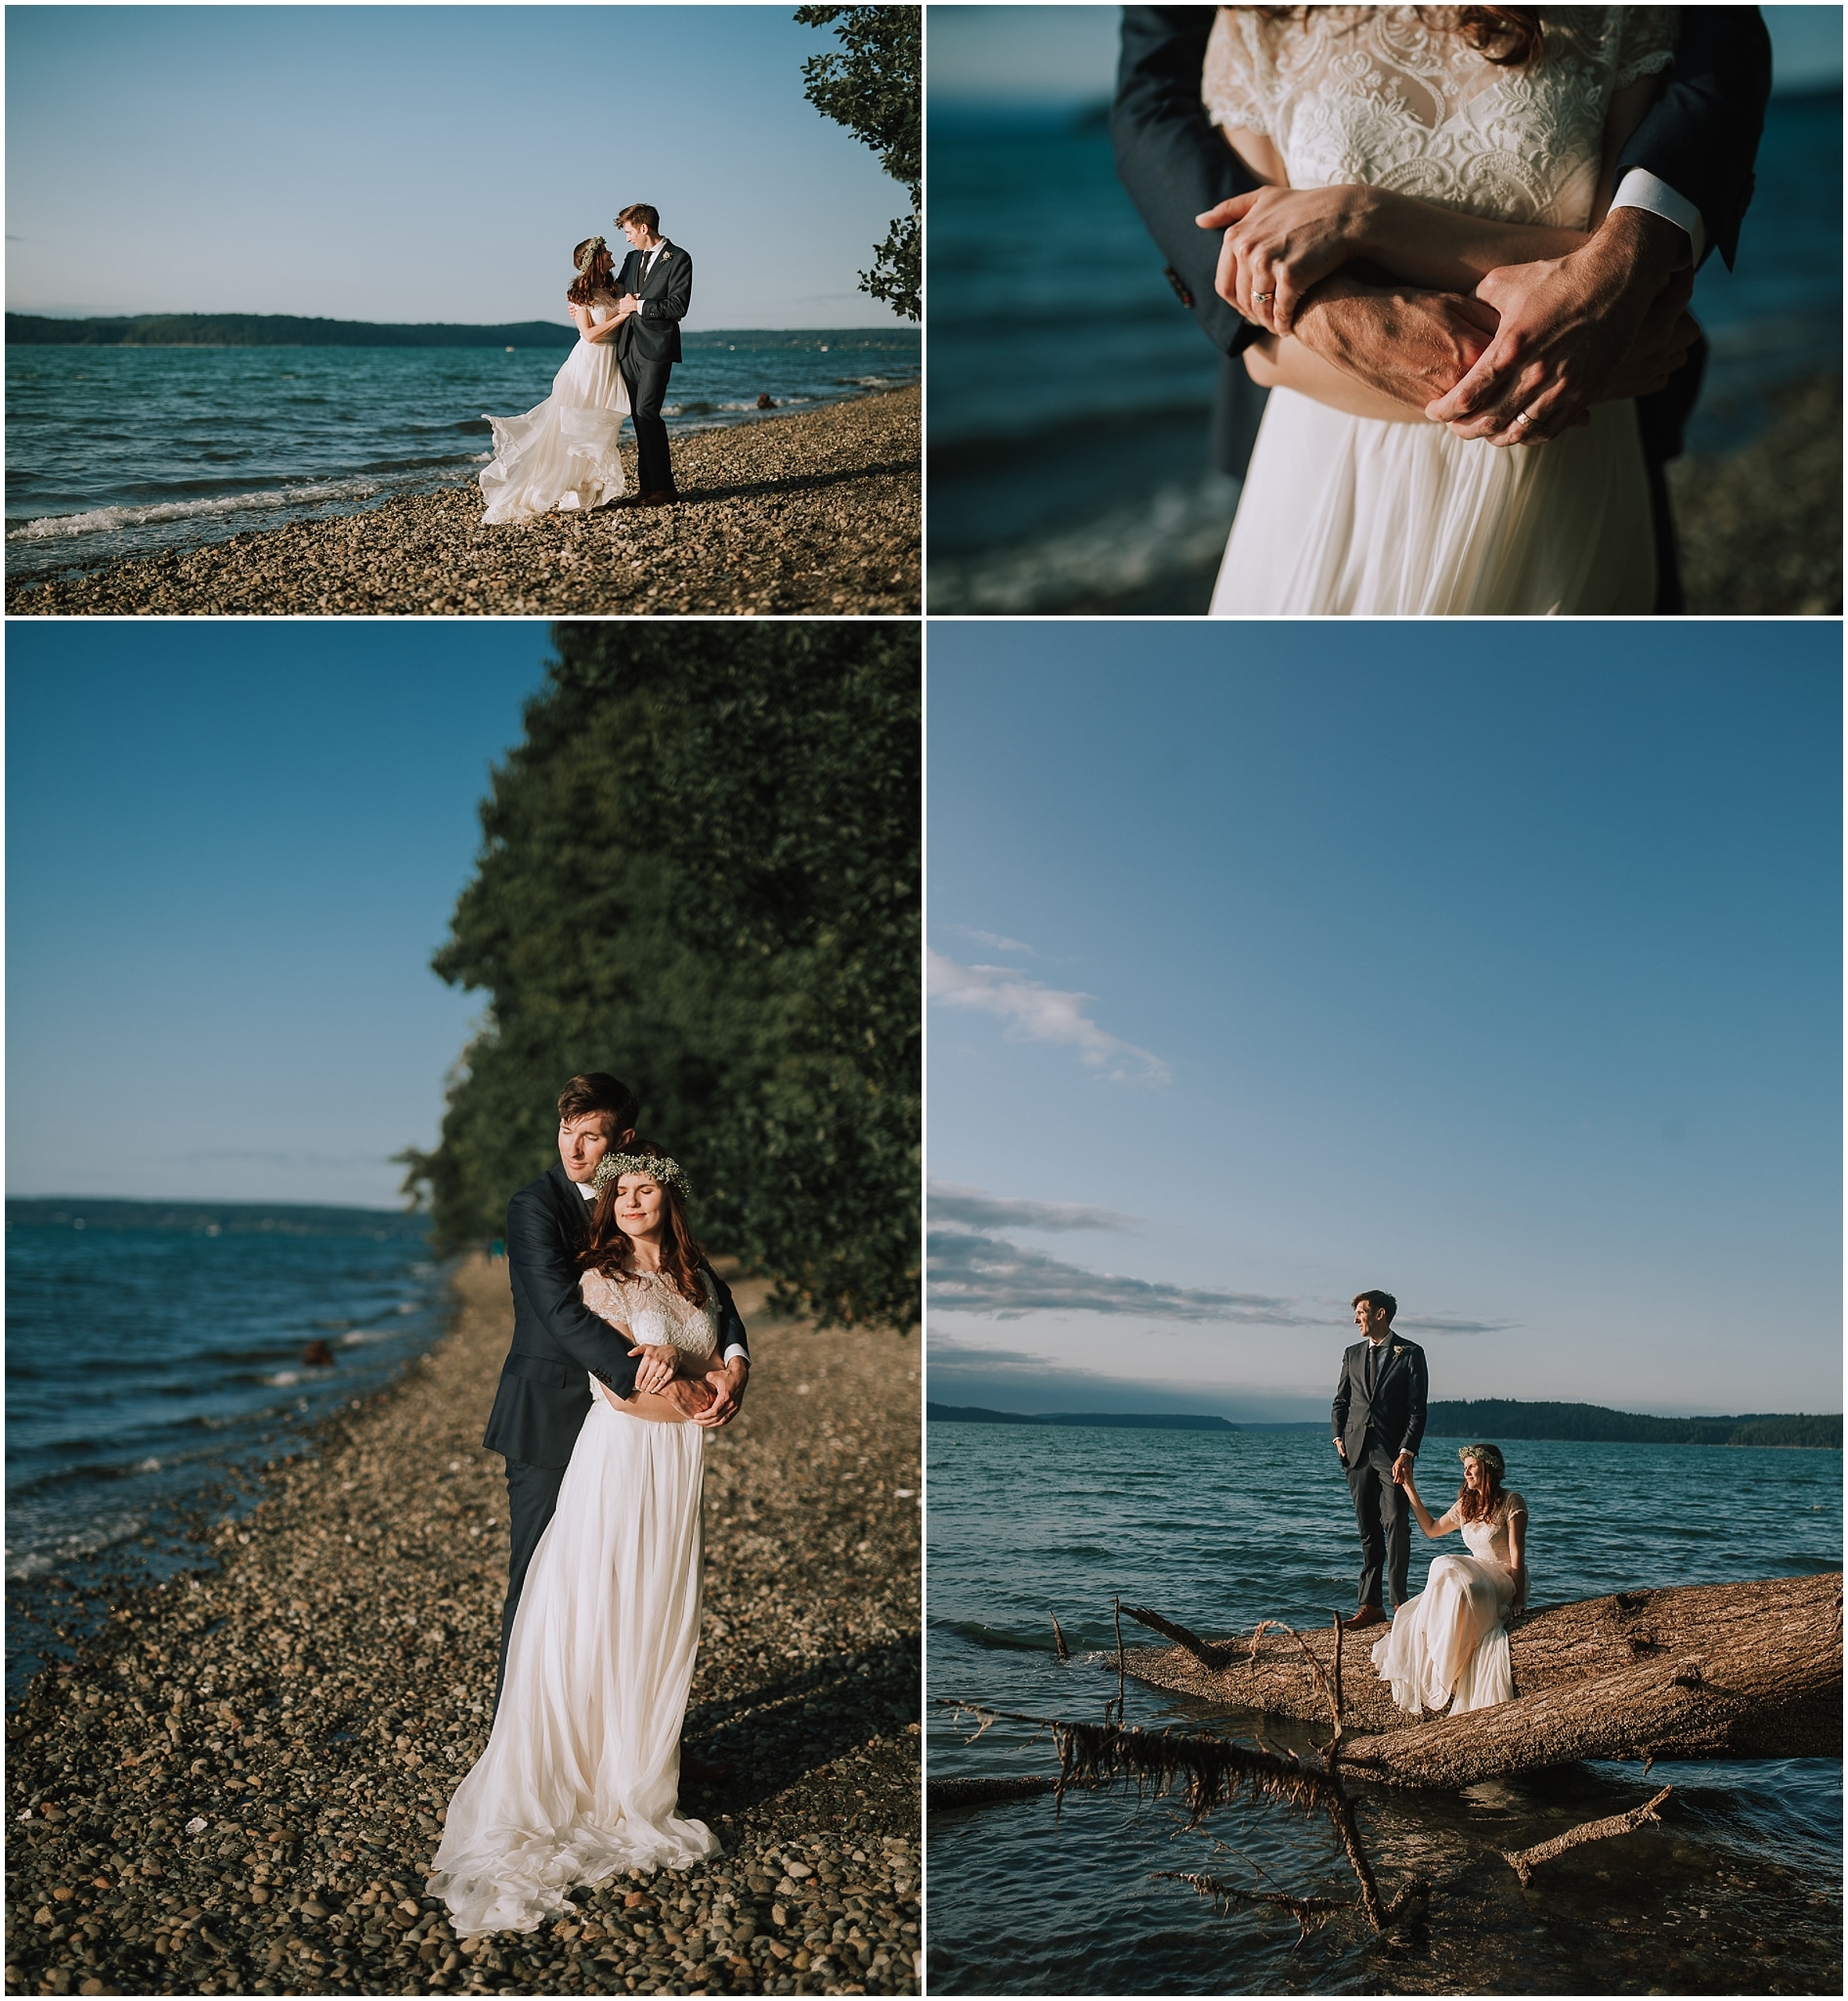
589	256
656	1165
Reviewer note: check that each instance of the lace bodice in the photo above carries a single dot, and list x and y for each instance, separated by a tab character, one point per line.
1488	1539
1393	97
654	1312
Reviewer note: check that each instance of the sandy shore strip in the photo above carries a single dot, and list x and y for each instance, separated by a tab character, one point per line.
816	513
237	1788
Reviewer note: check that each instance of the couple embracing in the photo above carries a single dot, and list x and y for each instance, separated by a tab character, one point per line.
627	1350
1447	253
562	455
1448	1647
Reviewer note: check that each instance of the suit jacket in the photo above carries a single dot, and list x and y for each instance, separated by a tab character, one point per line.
1396	1409
1701	136
544	1397
653	335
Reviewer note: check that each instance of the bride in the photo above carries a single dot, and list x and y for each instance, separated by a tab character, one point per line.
563	453
1448	1645
1433	145
581	1771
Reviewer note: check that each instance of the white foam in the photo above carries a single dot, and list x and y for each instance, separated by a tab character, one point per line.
104	521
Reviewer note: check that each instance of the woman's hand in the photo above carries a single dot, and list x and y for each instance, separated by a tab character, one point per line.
654	1369
1279	241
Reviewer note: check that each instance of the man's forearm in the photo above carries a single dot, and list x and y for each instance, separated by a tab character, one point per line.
1396	340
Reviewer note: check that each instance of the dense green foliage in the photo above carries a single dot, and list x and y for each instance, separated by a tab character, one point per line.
1495	1420
272	330
702	874
876	89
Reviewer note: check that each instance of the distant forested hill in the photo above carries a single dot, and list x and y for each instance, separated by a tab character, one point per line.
272	330
1494	1420
212	1219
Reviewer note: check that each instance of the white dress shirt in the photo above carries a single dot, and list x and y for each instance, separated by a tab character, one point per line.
1640	189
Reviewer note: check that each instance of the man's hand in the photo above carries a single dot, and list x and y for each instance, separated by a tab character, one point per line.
1407	344
689	1395
1568	328
1341	1452
728	1393
1403	1467
655	1370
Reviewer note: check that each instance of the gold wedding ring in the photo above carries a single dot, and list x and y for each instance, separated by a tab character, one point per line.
1524	418
1262	298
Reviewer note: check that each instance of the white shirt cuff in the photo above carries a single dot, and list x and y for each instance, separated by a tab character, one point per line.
735	1350
1641	189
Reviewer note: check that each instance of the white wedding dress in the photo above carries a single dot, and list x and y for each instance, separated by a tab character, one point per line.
562	455
1363	515
1448	1647
581	1772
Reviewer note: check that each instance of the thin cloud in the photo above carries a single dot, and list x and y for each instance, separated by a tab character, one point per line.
1039	1013
1442	1323
993	941
971	1273
978	1210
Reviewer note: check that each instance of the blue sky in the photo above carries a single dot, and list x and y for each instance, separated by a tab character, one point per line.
230	851
1495	967
415	163
1067	54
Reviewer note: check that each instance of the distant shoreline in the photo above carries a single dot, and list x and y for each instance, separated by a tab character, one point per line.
1569	1424
289	330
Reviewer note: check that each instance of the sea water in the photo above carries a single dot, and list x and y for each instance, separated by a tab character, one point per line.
1738	1891
152	1347
1070	390
125	451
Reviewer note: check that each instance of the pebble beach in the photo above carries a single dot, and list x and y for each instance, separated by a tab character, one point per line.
817	513
237	1784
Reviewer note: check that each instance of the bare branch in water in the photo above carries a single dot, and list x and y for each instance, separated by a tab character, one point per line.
1063	1652
1212	1772
1205	1651
1310	1912
1524	1861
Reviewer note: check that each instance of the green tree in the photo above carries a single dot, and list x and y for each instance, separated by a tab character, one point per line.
701	872
876	89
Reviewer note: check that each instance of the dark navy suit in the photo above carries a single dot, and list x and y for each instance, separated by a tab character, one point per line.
647	346
1700	137
1374	1426
543	1396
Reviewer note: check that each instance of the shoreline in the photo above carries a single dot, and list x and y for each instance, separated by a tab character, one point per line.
818	512
237	1786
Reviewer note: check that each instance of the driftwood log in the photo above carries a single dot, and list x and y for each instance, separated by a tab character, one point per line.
1696	1670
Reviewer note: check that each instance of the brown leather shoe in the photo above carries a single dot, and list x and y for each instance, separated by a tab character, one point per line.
659	497
1367	1616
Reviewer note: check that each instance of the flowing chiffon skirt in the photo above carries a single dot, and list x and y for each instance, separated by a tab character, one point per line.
1452	1641
562	455
1361	516
581	1771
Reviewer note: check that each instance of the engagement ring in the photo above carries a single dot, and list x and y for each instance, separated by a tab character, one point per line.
1263	298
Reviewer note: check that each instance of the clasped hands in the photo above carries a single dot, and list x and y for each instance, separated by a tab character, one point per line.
711	1398
1518	361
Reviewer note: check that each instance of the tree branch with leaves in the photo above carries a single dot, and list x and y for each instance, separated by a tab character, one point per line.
876	89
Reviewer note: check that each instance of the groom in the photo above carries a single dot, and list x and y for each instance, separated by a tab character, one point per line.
1602	324
544	1397
1379	1419
655	288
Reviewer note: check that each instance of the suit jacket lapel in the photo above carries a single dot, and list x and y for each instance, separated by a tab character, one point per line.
574	1210
1389	1361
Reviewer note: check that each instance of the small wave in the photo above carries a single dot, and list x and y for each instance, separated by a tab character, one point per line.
105	521
89	1541
284	1380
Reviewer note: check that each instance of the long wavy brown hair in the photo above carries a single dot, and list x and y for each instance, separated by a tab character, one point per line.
587	286
611	1251
1472	1507
1507	36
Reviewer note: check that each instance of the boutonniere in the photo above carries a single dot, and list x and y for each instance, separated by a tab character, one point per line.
1397	1349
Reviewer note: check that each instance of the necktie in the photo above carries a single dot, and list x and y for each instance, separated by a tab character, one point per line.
1373	1357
